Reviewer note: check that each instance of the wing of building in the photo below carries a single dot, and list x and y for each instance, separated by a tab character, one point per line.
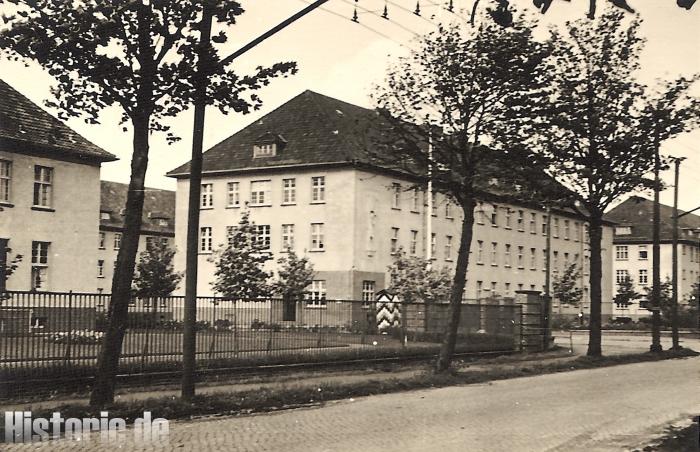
49	197
304	174
158	223
633	249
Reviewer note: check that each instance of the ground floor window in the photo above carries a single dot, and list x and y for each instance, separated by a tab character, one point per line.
317	293
368	289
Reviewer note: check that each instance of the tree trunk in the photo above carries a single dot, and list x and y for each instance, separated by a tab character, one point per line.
447	348
596	237
103	389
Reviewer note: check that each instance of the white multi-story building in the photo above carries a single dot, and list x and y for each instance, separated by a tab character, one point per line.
302	173
49	198
157	224
633	250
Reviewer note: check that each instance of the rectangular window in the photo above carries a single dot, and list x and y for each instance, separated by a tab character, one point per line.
533	259
448	209
260	193
414	243
207	198
577	231
555	228
100	268
415	202
40	265
621	276
494	254
205	239
494	288
289	191
506	256
395	196
233	198
435	206
287	237
566	229
506	291
621	252
117	240
521	220
448	247
479	252
480	216
520	257
643	276
508	217
264	150
5	180
479	289
317	294
494	216
394	243
262	236
544	259
318	189
533	223
102	240
368	291
43	183
317	237
544	224
433	245
555	261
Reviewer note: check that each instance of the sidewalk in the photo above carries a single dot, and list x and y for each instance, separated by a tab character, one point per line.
304	379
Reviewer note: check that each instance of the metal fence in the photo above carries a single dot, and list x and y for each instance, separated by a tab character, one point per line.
59	334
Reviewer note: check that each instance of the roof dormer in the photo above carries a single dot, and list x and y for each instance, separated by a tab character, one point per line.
268	145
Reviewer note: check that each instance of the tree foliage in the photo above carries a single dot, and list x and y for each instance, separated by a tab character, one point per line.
626	293
240	263
155	275
457	90
566	288
295	274
413	279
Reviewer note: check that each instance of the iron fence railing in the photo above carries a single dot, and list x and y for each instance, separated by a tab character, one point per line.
59	334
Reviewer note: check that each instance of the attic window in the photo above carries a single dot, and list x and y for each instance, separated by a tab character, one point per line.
163	222
265	150
623	230
105	216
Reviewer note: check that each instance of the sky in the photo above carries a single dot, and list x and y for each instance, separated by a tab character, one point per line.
343	59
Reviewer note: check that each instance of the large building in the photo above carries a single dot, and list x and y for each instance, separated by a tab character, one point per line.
633	250
49	197
158	223
303	173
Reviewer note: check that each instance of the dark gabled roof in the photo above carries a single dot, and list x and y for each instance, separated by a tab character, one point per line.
158	204
317	129
638	214
26	126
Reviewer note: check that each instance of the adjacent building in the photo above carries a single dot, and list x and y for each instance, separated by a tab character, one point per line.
633	250
303	174
158	224
49	197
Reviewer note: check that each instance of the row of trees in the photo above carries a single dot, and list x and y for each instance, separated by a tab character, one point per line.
535	116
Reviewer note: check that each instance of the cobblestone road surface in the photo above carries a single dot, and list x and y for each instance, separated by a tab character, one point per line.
610	409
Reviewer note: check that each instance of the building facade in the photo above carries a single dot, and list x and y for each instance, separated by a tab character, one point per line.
158	224
299	173
49	197
633	250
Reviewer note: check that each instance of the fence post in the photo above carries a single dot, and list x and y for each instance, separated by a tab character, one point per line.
66	357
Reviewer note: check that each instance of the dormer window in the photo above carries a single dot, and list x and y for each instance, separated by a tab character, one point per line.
163	222
268	145
265	150
623	230
105	216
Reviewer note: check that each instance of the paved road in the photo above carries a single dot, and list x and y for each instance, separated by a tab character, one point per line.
607	409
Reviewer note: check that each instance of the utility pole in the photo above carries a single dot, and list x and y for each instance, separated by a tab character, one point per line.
674	295
189	340
547	280
656	255
189	344
429	213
